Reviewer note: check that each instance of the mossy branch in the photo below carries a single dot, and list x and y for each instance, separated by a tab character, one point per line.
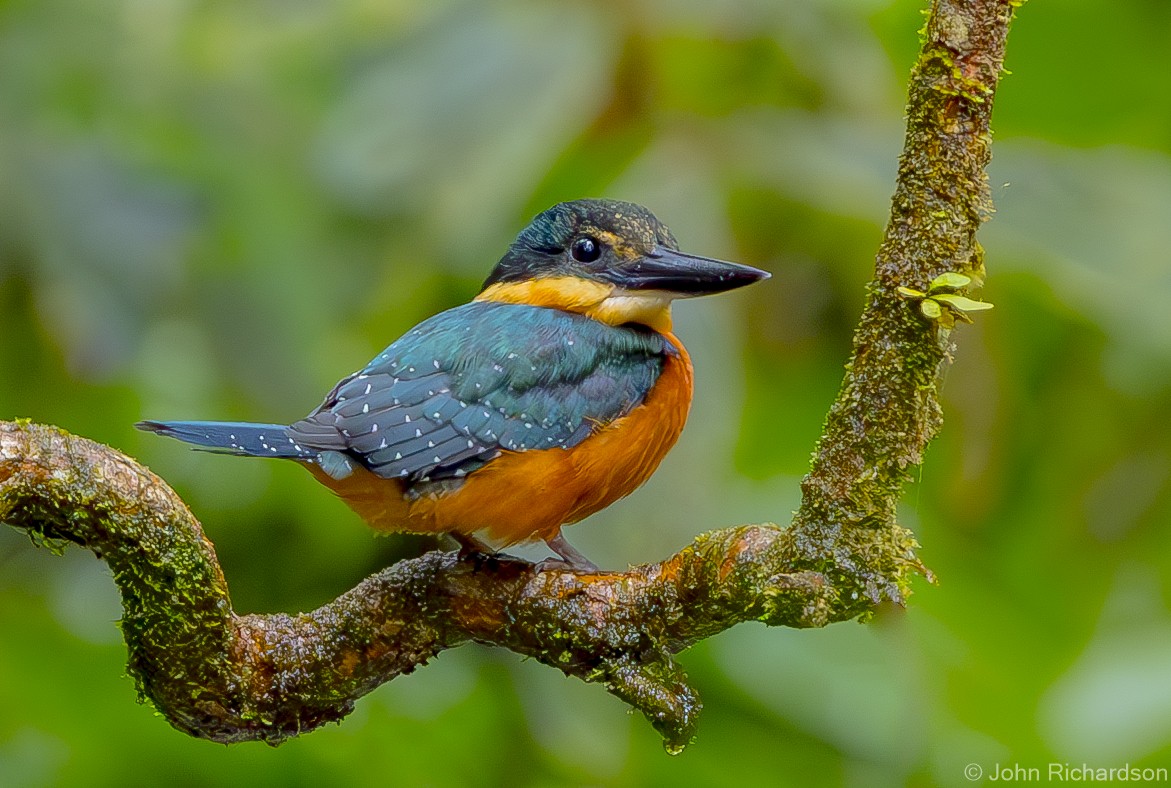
887	410
222	676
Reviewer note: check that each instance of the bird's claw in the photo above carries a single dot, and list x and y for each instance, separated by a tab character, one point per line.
561	565
569	557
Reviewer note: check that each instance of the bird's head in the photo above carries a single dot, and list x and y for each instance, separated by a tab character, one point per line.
613	261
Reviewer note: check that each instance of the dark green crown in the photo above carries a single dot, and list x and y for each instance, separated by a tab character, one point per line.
615	242
545	247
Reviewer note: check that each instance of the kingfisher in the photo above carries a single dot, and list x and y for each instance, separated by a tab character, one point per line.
554	393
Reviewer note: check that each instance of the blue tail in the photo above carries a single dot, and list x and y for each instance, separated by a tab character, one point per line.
233	437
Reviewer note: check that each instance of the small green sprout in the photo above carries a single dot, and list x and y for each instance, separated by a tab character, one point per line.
941	304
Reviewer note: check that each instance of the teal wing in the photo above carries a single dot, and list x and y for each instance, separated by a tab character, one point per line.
483	378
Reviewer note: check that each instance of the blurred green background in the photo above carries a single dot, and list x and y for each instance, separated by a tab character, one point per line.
216	209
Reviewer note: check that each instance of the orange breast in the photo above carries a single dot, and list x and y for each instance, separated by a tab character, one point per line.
529	495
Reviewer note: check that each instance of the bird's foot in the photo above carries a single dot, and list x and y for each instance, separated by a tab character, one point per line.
561	565
570	558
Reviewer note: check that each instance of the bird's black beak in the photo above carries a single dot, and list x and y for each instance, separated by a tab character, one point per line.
682	274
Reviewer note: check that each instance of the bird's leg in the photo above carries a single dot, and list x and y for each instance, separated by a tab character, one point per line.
571	557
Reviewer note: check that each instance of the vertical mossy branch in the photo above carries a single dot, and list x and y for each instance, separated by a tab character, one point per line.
888	410
229	677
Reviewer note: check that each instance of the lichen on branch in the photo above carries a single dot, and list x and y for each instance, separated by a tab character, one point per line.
229	677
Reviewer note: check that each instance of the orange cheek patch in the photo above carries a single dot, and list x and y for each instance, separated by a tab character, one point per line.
557	292
602	302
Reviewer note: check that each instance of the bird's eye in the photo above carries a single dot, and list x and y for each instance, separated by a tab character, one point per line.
586	250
